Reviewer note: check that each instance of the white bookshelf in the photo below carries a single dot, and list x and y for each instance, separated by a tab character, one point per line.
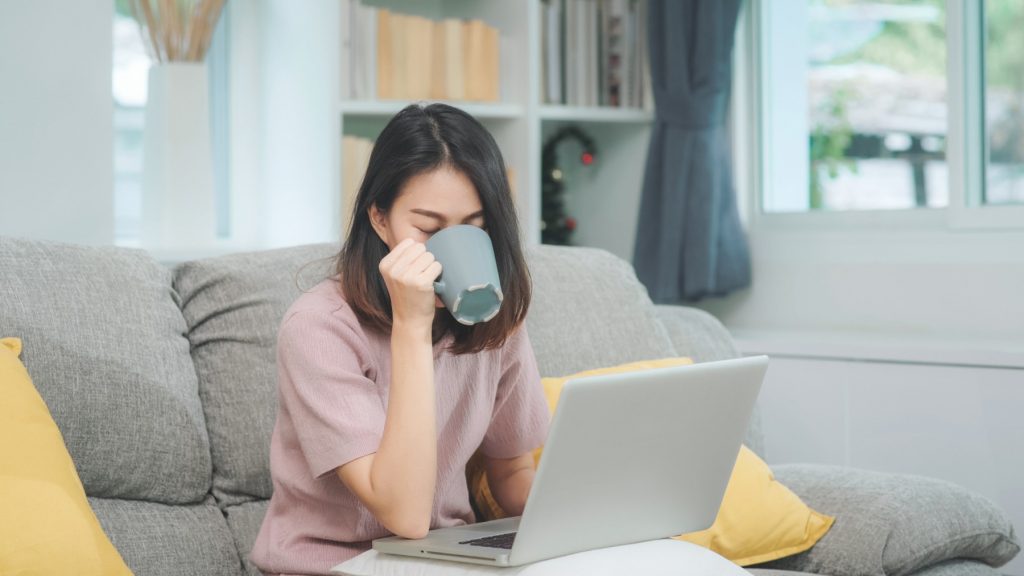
603	198
596	114
387	108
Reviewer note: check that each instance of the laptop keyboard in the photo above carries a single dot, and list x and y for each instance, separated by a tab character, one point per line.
497	541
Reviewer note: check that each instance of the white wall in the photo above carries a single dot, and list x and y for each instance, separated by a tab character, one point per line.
56	121
958	285
957	423
285	125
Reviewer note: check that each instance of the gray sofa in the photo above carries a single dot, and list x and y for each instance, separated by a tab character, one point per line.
162	382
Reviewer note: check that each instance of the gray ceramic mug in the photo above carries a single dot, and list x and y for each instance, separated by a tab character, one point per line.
469	284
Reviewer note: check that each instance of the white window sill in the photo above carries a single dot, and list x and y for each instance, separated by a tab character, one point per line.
878	347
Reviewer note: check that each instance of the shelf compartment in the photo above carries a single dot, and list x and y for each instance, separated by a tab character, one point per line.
387	108
595	114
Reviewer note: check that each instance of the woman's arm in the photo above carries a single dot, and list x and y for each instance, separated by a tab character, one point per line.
509	480
518	425
397	482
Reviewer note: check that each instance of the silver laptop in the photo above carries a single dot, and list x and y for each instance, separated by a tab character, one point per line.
629	458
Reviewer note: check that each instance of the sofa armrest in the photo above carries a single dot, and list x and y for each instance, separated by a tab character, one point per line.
959	568
949	568
696	334
894	524
699	335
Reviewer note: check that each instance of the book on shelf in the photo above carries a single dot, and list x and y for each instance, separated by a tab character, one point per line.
355	157
594	53
454	71
388	55
358	36
552	76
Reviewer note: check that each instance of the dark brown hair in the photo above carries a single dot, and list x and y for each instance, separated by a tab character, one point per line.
421	139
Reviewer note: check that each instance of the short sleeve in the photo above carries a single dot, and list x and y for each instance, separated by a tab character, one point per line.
519	422
336	411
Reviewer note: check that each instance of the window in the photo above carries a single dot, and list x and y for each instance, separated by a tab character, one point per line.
890	105
1004	101
129	86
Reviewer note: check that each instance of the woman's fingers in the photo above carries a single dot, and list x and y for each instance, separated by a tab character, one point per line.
409	271
433	271
418	268
397	260
410	264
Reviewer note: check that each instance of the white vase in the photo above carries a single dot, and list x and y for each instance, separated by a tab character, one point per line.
178	205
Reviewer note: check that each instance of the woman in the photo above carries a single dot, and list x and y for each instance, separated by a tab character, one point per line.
383	396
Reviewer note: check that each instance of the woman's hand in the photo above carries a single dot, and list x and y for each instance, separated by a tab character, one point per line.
409	272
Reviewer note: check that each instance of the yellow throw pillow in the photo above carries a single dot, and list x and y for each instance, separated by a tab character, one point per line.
759	519
48	526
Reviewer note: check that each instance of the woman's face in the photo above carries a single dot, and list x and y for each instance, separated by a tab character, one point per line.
427	203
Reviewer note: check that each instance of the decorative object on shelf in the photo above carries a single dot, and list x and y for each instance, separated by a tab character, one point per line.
178	204
556	226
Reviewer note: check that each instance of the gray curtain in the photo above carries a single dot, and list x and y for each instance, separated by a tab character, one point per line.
690	243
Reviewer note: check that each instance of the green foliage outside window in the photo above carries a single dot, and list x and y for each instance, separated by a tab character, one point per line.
829	141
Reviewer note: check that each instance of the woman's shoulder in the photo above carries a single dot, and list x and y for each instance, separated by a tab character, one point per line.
324	302
516	345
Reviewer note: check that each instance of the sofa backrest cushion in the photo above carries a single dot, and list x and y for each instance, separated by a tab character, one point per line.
104	342
589	311
233	306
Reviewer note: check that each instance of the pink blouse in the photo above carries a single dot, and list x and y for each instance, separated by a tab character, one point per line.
333	380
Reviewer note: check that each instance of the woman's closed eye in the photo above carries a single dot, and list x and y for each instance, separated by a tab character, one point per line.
432	231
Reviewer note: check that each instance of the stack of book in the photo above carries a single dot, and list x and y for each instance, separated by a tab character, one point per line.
398	56
594	53
355	157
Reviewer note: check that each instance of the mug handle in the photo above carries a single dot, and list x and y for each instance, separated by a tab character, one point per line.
438	286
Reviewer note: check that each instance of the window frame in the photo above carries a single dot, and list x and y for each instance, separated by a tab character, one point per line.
752	120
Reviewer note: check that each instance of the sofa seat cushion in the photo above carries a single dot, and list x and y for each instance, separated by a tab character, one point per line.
894	525
105	344
233	306
245	520
162	540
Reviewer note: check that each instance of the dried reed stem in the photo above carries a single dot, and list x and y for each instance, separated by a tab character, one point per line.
177	30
